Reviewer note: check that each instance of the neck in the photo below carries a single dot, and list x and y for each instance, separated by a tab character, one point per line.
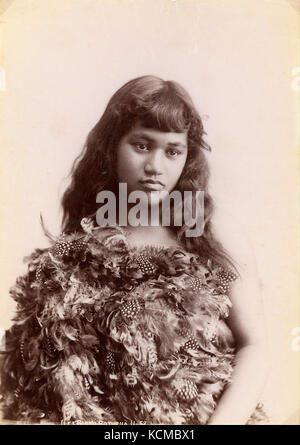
149	235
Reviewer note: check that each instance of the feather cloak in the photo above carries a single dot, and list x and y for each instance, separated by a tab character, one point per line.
108	333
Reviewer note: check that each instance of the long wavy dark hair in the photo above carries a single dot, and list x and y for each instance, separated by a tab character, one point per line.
154	103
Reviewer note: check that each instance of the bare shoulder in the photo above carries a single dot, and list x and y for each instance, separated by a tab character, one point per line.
247	314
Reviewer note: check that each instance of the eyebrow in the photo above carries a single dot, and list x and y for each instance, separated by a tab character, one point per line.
150	139
176	144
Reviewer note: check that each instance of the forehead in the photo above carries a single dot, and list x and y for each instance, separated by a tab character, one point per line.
152	134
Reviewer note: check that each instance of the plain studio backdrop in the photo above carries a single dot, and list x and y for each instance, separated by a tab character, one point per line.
61	61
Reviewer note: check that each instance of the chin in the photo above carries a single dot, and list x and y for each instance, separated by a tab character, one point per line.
155	197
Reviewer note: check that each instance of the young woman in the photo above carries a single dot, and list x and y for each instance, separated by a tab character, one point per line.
138	323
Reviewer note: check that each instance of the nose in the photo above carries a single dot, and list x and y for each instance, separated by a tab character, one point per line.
154	163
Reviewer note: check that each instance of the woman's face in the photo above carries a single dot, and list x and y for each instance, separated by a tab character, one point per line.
151	160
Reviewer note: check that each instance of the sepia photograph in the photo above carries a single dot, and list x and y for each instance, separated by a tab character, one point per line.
149	212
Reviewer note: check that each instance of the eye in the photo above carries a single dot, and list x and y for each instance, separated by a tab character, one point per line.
142	146
173	153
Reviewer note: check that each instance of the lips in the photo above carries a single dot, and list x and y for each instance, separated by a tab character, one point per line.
150	184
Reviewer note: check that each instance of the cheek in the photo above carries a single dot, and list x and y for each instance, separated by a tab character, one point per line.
176	171
126	164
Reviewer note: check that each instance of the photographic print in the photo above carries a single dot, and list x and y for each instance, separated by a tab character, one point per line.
149	212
